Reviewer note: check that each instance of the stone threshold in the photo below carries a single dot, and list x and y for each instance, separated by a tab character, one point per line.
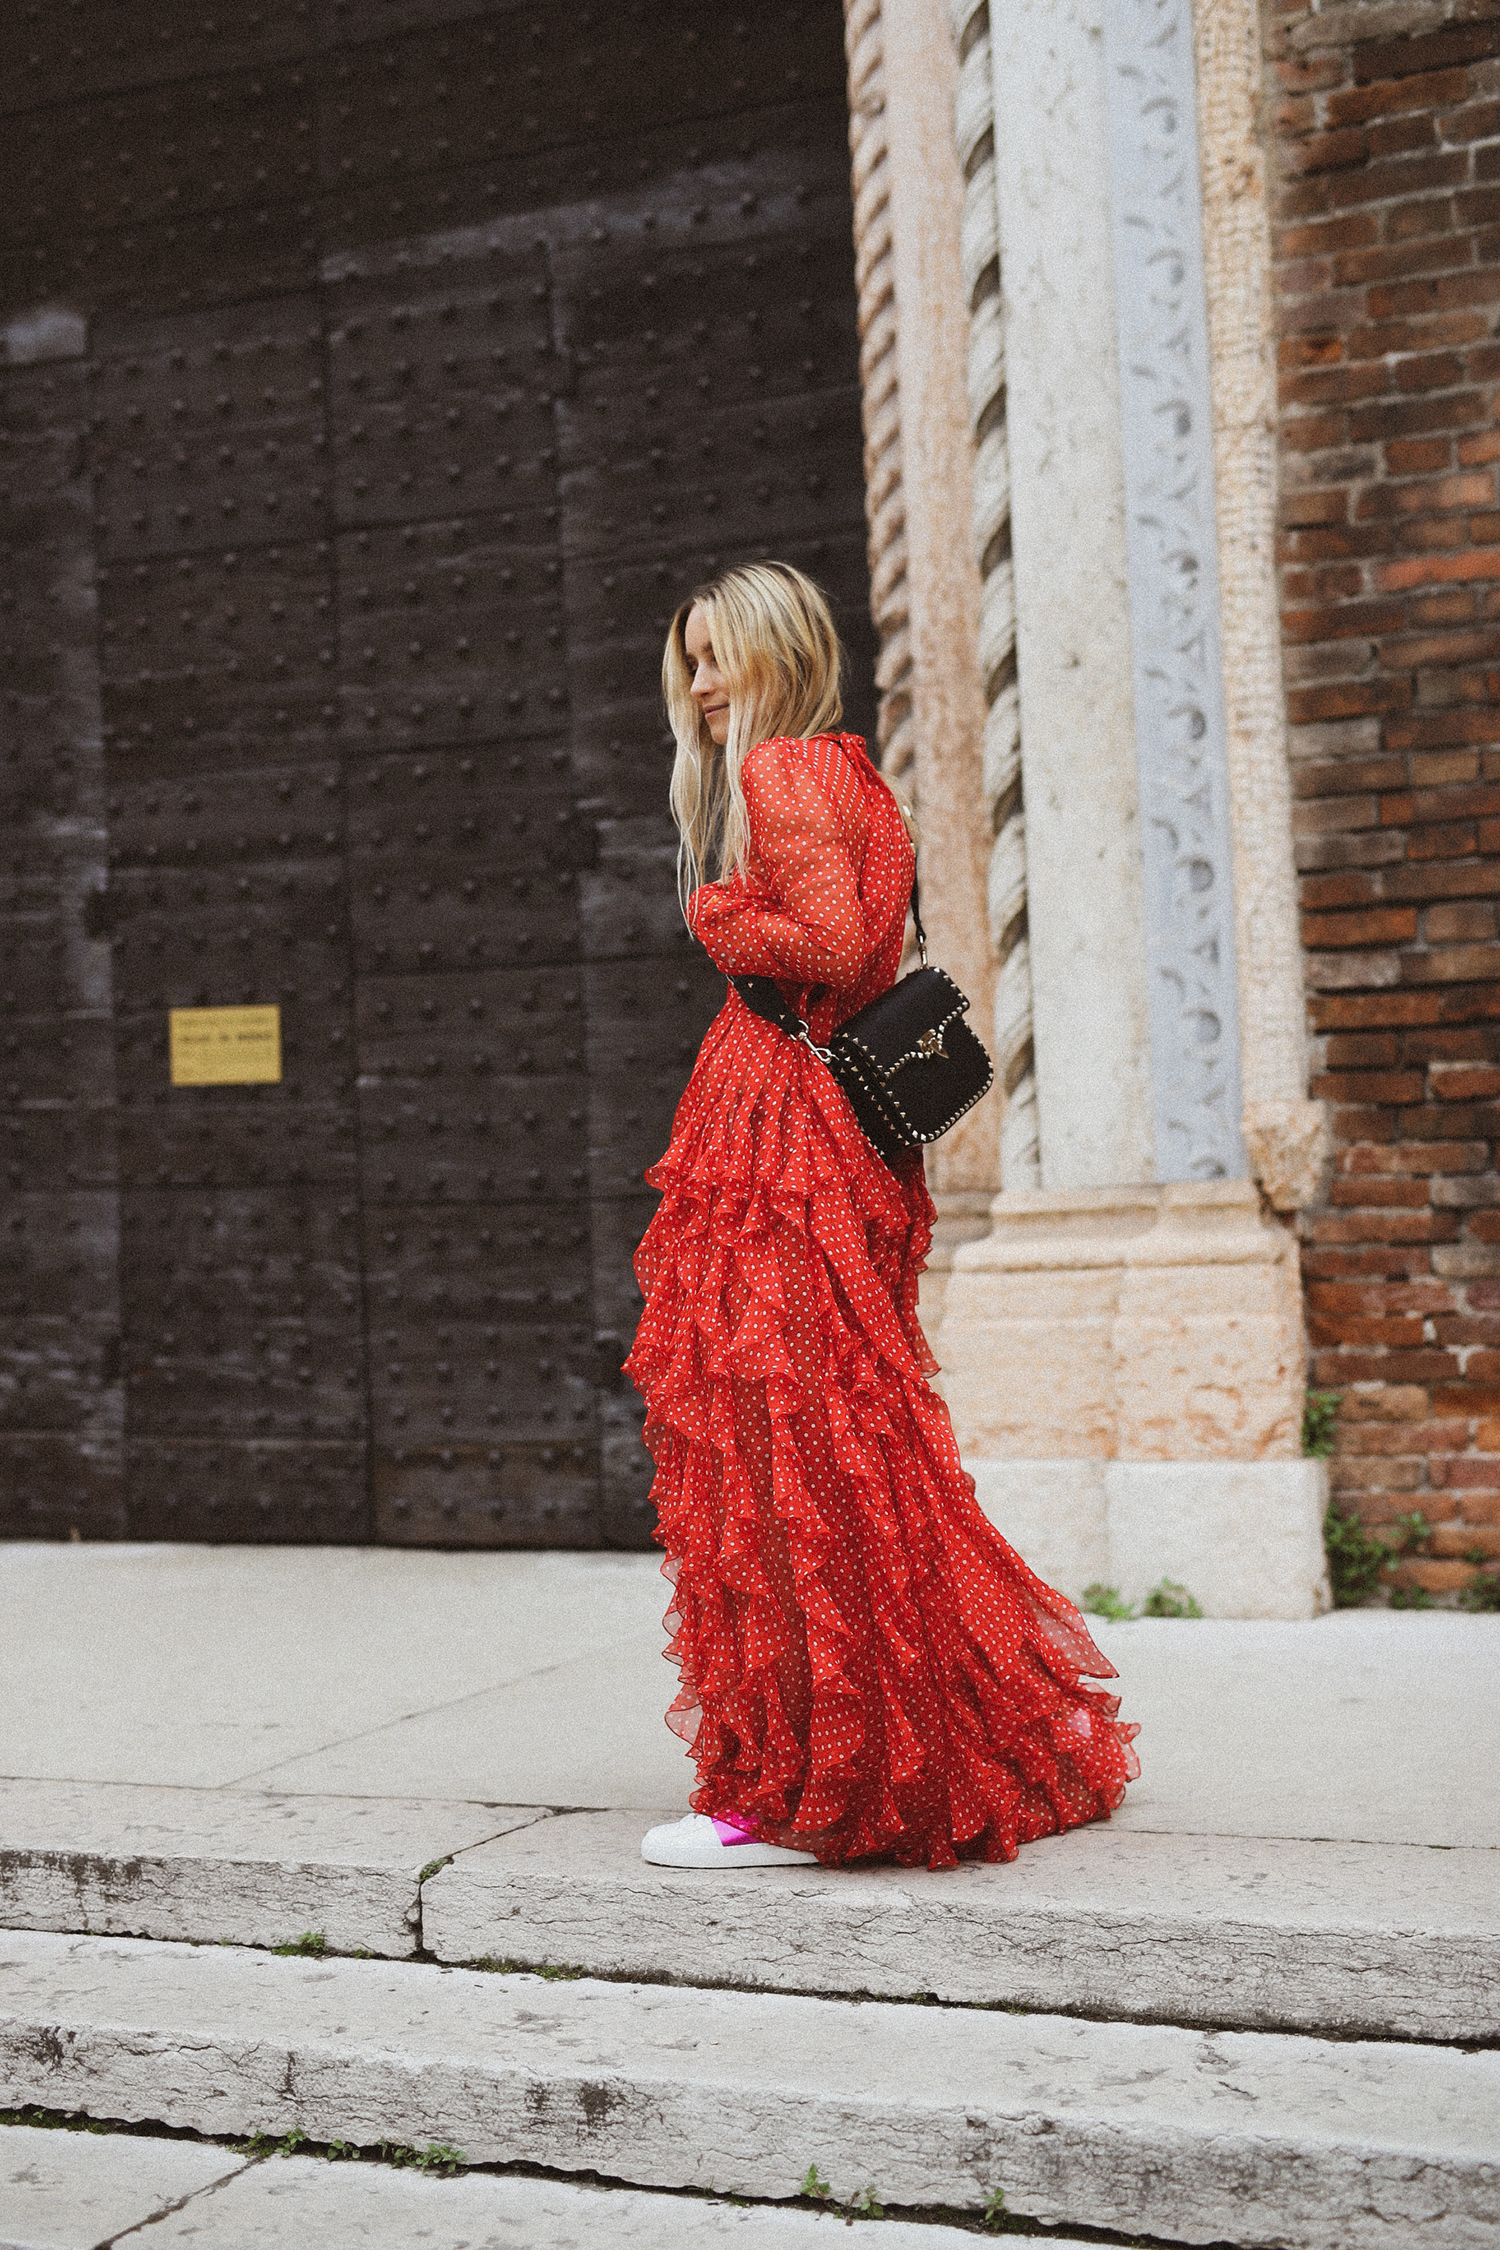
1331	1939
63	2185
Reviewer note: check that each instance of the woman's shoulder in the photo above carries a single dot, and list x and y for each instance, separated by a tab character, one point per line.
805	750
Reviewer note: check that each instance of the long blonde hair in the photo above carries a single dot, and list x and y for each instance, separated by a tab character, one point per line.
775	642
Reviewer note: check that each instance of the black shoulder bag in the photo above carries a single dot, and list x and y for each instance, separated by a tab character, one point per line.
908	1062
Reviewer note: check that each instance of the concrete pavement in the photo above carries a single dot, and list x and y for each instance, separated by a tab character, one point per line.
521	1679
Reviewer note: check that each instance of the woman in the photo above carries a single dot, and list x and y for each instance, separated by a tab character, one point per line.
867	1669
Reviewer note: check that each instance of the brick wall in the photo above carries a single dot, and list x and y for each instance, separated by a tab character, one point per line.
1387	232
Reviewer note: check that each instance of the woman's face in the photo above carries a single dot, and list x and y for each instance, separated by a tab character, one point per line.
710	689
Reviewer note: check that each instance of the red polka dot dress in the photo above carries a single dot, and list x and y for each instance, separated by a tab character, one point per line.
867	1669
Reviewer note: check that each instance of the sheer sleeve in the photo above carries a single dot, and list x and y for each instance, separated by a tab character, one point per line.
798	915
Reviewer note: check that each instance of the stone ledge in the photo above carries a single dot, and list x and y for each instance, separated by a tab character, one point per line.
1383	1941
235	1867
1255	2138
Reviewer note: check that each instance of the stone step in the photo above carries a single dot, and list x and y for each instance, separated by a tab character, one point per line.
228	1866
1250	2138
1374	1940
72	2191
1365	1939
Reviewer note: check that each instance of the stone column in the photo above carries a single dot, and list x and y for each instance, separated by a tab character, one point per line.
947	699
1124	1358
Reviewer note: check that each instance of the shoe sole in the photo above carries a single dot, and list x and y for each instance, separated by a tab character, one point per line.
731	1855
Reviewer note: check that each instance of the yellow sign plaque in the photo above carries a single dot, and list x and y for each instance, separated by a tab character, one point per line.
225	1046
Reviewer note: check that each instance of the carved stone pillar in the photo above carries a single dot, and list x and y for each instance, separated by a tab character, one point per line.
908	202
1124	1357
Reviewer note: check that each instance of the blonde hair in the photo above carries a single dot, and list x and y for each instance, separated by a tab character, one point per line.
775	642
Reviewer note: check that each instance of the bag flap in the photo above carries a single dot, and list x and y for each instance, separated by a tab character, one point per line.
890	1031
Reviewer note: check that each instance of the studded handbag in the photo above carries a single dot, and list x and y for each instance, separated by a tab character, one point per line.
908	1062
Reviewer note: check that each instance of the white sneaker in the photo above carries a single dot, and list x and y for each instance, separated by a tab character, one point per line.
698	1841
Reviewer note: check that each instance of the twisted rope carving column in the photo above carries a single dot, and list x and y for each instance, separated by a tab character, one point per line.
880	392
974	126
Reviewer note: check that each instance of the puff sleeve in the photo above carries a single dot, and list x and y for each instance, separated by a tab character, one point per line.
797	914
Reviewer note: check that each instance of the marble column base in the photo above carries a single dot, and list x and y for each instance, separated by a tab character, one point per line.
1126	1368
1244	1537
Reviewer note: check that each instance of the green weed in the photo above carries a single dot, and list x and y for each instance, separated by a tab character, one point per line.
1170	1600
1105	1601
1320	1412
312	1945
814	2184
1481	1593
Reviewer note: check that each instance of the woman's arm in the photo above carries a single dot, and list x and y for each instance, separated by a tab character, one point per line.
804	922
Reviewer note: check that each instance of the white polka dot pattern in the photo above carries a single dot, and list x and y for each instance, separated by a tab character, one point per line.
867	1669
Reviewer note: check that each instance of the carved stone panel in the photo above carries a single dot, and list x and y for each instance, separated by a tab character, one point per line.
1172	543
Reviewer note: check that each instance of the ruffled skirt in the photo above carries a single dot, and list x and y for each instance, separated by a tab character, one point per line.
867	1668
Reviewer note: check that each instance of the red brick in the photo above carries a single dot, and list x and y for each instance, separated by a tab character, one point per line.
1322	584
1368	1194
1358	105
1334	1367
1483	447
1348	700
1444	879
1457	801
1321	152
1442	727
1411	456
1427	371
1466	918
1392	177
1376	1007
1460	1538
1315	507
1384	1226
1435	1577
1441	292
1406	417
1353	1328
1310	433
1475	1470
1374	60
1339	890
1331	386
1399	136
1464	490
1467	1398
1419	1157
1372	926
1465	1082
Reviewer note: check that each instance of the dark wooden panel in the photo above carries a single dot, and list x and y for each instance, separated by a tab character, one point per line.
147	154
223	258
242	1314
60	1486
465	861
454	632
443	385
56	54
235	1136
529	79
247	1492
435	348
210	656
273	814
58	1145
209	430
59	1341
475	1495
